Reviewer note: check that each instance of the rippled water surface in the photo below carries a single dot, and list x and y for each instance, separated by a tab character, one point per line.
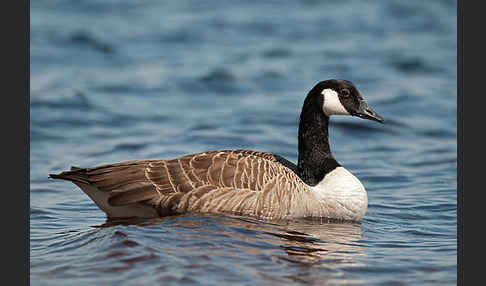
124	80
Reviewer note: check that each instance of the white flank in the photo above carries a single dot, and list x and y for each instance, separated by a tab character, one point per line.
101	200
332	104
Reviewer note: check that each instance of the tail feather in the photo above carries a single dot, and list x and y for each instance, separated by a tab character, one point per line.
75	175
132	202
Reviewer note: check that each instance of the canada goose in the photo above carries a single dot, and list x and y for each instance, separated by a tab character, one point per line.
244	182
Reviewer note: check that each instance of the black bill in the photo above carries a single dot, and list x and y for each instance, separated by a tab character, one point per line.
365	112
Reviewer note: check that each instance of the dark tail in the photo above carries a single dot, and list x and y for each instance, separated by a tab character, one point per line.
76	174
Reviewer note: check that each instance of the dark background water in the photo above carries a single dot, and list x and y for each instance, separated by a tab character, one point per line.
125	80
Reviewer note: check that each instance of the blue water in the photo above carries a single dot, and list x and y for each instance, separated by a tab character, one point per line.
124	80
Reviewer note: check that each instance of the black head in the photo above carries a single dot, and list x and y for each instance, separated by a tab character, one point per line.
340	97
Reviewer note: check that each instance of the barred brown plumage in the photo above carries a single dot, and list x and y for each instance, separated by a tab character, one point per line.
236	181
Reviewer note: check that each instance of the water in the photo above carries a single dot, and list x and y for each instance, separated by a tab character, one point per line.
123	80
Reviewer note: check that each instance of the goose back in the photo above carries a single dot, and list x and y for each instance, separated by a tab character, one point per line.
237	181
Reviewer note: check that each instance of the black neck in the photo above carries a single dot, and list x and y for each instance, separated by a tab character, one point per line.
315	158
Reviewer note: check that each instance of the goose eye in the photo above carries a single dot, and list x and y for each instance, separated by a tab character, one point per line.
345	92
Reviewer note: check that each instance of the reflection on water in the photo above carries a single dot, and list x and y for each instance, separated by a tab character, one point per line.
312	242
317	243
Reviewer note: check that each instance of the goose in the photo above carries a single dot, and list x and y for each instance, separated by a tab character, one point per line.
242	182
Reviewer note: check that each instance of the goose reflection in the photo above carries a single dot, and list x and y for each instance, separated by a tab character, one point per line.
316	242
310	241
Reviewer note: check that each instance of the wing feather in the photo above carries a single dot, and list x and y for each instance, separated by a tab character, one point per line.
241	181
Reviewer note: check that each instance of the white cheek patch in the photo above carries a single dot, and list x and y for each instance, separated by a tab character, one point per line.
332	104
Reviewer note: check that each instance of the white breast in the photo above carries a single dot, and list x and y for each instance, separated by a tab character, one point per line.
343	193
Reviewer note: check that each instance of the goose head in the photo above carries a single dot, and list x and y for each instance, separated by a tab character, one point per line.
341	97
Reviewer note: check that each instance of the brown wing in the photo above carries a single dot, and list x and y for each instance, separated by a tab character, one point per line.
232	180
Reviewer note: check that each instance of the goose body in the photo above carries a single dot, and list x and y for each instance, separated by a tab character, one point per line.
241	182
